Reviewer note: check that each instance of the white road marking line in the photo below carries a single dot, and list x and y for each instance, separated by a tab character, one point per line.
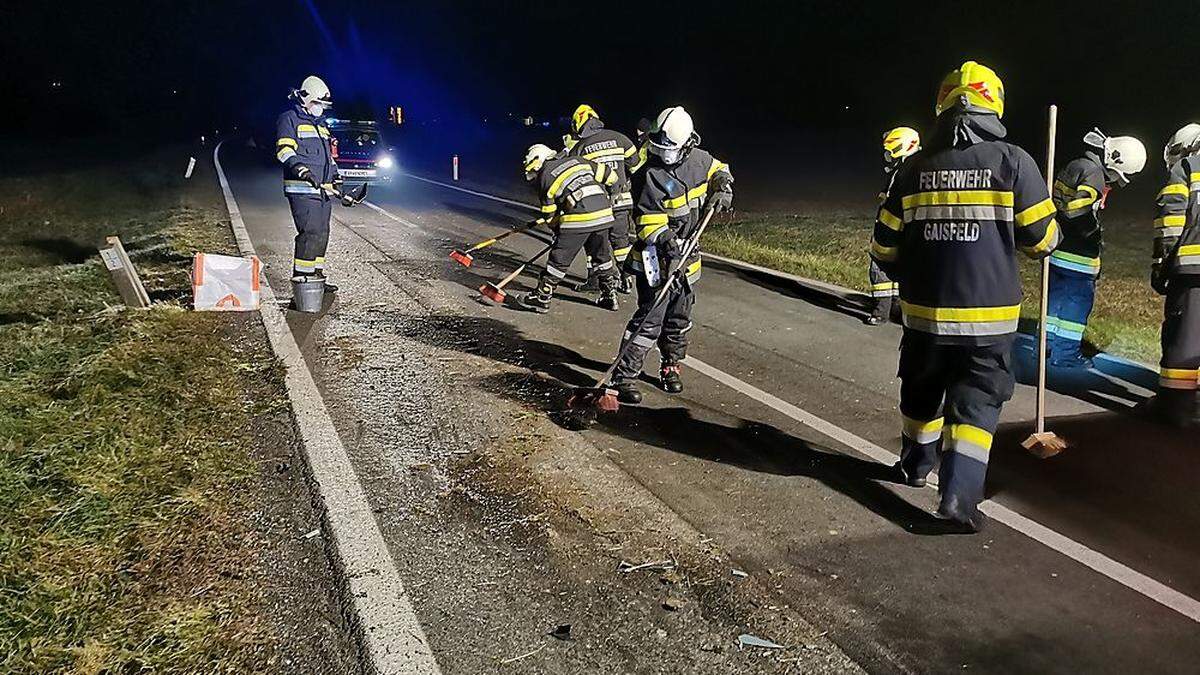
389	214
472	192
1118	572
387	626
1122	574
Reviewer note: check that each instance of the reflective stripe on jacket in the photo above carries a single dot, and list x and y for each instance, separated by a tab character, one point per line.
948	232
574	194
671	201
1177	230
1077	191
304	139
615	151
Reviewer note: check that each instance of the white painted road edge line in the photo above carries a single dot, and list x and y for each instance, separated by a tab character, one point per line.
388	214
386	625
1118	572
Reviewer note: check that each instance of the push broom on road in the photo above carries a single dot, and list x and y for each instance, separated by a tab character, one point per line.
464	257
1042	443
495	292
585	403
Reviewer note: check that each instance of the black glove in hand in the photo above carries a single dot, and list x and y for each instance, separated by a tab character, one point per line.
1158	280
670	251
338	182
347	200
721	200
720	192
305	174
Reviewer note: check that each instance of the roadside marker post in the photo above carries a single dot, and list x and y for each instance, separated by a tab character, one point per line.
191	167
455	164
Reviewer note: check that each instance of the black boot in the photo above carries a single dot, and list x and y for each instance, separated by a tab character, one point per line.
669	378
959	517
608	293
538	300
627	392
903	477
593	281
626	286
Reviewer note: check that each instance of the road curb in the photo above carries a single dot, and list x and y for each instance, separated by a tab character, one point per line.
385	626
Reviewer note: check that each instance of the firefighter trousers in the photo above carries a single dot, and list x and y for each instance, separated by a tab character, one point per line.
1180	372
618	239
884	291
567	245
1072	295
950	400
666	324
311	215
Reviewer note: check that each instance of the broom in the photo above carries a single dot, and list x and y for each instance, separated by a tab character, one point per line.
464	257
495	292
586	402
1042	443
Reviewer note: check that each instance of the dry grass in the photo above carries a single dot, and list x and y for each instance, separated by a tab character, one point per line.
833	246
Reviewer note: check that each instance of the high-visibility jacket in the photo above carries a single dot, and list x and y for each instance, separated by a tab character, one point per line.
1177	228
574	194
671	201
1077	195
304	139
615	151
948	232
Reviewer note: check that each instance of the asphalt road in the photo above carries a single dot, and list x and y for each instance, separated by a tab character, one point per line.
847	548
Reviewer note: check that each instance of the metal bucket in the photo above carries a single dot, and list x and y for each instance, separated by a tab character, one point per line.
308	293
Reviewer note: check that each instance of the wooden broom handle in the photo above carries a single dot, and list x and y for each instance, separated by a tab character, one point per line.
1045	301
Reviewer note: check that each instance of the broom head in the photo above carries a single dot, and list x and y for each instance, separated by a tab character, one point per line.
461	258
1044	445
493	292
594	398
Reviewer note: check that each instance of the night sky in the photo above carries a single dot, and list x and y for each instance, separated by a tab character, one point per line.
791	69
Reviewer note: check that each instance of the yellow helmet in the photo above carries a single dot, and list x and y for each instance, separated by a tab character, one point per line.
582	114
975	82
900	143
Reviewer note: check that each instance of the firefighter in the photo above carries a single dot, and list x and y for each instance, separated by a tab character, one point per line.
590	140
948	232
309	173
1176	274
680	180
575	199
898	144
1080	191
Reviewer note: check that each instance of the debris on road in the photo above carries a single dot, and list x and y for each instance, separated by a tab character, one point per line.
658	566
312	534
748	640
526	655
740	574
562	631
673	604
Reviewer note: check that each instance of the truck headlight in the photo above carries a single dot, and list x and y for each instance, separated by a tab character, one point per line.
385	162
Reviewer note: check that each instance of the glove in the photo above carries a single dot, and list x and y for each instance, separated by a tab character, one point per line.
338	182
670	250
720	192
347	200
1158	280
305	174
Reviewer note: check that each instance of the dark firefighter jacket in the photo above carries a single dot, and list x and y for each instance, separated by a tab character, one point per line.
951	224
1077	195
671	201
614	150
304	139
574	194
1177	228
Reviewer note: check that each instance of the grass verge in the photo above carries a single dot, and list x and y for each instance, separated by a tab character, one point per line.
123	471
832	247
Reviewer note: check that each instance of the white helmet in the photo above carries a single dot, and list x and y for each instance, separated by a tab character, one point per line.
673	135
1122	156
314	95
535	157
1184	142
